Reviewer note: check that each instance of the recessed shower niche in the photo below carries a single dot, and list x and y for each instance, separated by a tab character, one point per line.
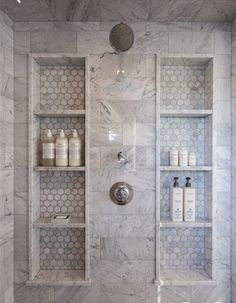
186	119
58	251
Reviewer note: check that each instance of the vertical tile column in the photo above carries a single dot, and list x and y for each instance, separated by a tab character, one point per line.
233	159
6	160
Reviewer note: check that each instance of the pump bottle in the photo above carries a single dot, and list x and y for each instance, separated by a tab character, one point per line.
62	149
74	149
176	202
189	202
48	149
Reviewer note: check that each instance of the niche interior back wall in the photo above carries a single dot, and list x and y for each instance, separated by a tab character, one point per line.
127	276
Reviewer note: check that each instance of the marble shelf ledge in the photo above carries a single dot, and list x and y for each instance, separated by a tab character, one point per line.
184	277
59	278
186	168
56	168
60	113
198	113
166	222
46	223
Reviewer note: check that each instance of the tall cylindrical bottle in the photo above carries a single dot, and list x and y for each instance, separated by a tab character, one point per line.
74	149
62	149
48	149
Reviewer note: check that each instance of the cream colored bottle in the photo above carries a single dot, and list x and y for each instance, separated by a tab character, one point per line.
189	202
75	149
62	149
48	149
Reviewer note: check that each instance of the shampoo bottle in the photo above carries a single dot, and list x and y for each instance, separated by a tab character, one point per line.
176	202
48	149
74	149
189	202
62	149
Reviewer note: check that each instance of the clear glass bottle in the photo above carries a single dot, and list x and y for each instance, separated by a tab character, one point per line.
48	149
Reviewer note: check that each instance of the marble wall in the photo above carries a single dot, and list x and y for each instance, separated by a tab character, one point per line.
122	258
233	116
6	160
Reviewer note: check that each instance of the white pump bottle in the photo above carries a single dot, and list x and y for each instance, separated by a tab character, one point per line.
62	149
75	149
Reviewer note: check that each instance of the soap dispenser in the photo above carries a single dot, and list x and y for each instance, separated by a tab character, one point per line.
62	149
189	202
75	149
48	149
176	202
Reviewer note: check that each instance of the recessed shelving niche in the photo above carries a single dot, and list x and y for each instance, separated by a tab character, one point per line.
186	118
58	251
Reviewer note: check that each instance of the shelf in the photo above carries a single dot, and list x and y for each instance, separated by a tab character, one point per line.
55	168
166	222
59	278
186	168
60	113
184	277
186	113
46	223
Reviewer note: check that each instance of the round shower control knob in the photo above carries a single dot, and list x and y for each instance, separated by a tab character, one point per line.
121	193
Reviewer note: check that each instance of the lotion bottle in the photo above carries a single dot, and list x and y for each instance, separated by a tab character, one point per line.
62	149
48	149
176	202
189	202
75	149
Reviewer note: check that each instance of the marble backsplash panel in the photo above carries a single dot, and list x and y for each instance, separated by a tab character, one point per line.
132	281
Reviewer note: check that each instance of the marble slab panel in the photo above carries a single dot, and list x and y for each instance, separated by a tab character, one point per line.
53	42
194	43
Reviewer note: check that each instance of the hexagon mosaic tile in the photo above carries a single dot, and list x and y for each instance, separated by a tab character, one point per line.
182	248
182	87
182	133
62	192
62	248
67	124
197	181
62	87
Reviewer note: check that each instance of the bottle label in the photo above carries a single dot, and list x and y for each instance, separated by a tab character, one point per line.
74	151
183	159
48	150
61	151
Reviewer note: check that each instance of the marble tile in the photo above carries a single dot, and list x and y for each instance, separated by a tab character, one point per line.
21	66
53	42
143	203
37	294
211	294
93	42
21	42
211	26
123	271
194	43
151	42
222	42
73	294
222	68
113	10
136	26
127	248
102	134
222	90
126	292
176	294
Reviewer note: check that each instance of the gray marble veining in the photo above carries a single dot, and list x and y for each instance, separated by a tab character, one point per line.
111	10
111	227
7	161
